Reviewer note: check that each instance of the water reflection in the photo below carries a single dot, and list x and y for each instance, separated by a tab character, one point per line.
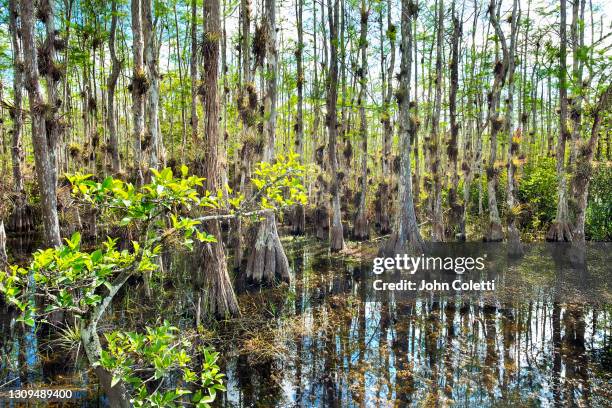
546	342
543	338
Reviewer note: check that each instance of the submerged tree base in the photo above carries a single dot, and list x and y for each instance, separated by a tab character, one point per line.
267	260
217	297
361	229
321	220
559	231
395	245
495	232
298	220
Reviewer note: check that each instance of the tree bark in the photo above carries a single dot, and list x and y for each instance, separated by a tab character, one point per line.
140	85
16	112
298	224
111	86
437	222
496	123
336	233
406	236
560	229
42	134
221	300
361	227
515	247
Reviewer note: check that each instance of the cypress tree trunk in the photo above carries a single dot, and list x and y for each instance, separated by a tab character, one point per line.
140	85
437	223
151	49
111	85
298	224
384	197
16	112
514	138
361	228
456	209
496	123
560	228
220	298
267	259
43	135
336	234
406	235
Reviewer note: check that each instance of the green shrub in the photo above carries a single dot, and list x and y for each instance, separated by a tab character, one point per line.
598	223
537	190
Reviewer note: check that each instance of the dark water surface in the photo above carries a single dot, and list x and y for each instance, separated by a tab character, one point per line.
543	338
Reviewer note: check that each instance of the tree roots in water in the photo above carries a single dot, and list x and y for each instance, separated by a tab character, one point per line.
495	232
361	228
298	220
267	259
559	231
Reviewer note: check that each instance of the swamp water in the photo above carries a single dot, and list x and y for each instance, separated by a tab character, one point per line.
543	338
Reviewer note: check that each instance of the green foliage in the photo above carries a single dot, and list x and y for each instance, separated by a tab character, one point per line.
280	184
537	189
84	283
149	360
598	223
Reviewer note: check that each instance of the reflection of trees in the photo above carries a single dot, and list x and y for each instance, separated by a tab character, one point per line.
404	380
466	350
449	313
490	369
573	351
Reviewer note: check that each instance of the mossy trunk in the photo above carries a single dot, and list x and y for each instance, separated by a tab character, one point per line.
560	229
406	236
220	297
44	134
496	123
456	208
16	112
361	227
298	220
336	232
515	247
140	85
437	222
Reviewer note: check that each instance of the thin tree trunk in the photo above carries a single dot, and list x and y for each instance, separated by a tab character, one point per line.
336	231
140	85
406	234
111	85
437	223
560	228
496	123
193	61
43	136
361	229
221	300
456	209
514	138
298	224
151	59
16	112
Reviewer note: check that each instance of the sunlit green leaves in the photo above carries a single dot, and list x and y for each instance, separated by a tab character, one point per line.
279	184
156	355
